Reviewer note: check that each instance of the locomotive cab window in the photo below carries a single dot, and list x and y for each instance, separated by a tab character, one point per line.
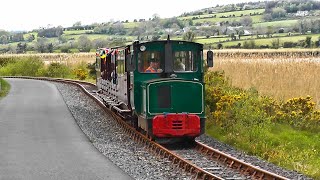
184	61
150	62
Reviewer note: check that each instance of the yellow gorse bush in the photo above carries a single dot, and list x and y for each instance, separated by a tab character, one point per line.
228	105
81	74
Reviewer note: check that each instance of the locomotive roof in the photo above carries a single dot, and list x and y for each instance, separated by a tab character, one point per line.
146	42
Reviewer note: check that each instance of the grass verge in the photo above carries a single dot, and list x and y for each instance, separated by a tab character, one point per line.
5	87
284	133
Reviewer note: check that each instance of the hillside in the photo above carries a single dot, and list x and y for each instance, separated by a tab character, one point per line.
270	24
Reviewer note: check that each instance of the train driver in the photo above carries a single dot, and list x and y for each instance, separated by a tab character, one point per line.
154	66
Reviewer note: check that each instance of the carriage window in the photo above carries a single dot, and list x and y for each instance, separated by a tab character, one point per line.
120	63
184	61
150	62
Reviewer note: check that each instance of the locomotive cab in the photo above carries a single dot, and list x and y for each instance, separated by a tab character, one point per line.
168	88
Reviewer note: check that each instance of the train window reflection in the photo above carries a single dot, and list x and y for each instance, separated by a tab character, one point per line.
184	61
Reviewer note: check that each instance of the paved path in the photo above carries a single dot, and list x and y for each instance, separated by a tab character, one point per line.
39	139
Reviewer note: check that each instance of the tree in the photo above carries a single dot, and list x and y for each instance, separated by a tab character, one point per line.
302	27
21	48
4	39
50	32
189	36
275	43
269	31
17	37
169	22
278	13
76	24
233	37
270	5
155	17
30	38
41	44
267	17
281	30
50	48
99	43
246	21
84	43
308	42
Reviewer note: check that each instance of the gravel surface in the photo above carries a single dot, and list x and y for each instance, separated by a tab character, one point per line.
251	159
108	138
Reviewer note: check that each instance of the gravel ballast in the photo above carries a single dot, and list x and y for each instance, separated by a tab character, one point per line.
106	135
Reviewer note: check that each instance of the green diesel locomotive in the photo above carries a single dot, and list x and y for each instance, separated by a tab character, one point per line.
156	86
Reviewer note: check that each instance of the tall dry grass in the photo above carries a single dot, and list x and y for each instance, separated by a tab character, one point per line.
278	73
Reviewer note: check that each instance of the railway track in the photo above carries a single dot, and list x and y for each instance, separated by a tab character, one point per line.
199	160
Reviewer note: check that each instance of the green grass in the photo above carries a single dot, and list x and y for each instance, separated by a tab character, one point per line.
5	87
73	32
255	19
97	36
226	14
277	143
285	23
131	25
211	40
259	42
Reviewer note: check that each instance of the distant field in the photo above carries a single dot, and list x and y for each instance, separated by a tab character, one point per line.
131	25
266	41
286	23
218	18
98	36
76	32
227	14
255	19
211	40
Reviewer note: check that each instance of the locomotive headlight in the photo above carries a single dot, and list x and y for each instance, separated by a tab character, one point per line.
142	48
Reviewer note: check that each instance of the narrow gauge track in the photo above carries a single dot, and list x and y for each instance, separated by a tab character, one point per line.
180	157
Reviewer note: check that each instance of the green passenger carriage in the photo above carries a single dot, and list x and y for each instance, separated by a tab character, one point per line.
156	86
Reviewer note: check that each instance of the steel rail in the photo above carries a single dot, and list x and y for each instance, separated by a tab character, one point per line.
243	167
198	173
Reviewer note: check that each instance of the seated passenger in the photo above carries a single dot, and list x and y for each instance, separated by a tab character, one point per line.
179	66
154	67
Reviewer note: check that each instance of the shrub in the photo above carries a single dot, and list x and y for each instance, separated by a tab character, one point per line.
289	44
5	60
81	74
28	66
80	70
5	87
92	70
220	46
58	70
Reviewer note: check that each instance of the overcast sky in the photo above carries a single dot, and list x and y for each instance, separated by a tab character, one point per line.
32	14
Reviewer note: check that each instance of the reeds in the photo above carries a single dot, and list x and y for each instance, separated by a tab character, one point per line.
283	74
